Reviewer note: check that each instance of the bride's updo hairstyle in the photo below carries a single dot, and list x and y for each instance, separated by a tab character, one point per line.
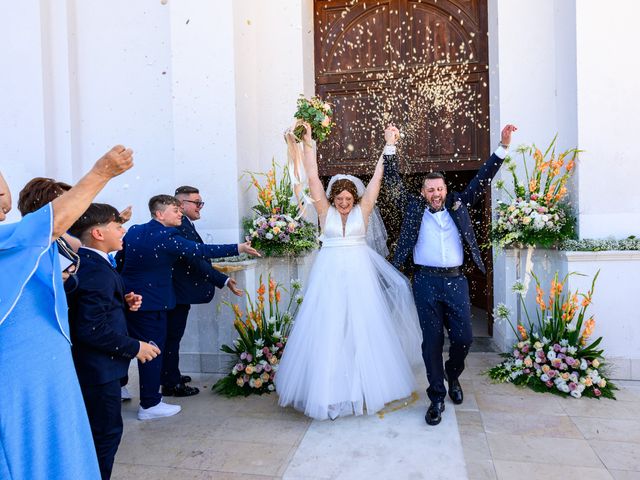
340	186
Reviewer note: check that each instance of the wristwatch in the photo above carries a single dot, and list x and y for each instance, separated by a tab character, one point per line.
503	145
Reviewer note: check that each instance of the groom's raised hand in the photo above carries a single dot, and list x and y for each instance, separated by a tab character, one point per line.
505	136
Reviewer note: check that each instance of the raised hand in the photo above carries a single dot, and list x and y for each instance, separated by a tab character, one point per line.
308	141
125	214
505	136
391	134
115	162
147	352
248	249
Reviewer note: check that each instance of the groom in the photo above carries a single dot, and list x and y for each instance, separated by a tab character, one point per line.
435	229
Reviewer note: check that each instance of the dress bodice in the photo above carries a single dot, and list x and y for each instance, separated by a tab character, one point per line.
354	231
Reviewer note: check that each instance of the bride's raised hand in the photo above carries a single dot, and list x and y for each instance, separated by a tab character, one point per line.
308	141
391	134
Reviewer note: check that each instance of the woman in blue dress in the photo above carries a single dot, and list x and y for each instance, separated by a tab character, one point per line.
44	431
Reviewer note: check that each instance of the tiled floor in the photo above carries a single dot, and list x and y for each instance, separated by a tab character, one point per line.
506	433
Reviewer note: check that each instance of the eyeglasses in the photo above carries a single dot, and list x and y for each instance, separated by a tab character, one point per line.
197	204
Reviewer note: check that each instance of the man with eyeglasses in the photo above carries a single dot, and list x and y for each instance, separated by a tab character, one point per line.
191	286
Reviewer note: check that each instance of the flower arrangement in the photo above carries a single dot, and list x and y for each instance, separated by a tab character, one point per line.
262	336
602	244
277	228
536	213
555	356
316	113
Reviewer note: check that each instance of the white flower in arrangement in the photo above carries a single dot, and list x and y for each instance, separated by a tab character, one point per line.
537	345
583	363
271	388
515	374
286	317
259	354
271	321
544	340
277	334
564	388
269	236
299	299
519	288
502	312
260	342
564	342
518	363
572	350
544	377
551	355
236	342
575	393
296	284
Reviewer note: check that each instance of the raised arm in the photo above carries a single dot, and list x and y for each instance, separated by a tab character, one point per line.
474	191
370	196
68	207
391	179
310	162
5	198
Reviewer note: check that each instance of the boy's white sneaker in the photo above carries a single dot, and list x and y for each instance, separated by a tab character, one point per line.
158	411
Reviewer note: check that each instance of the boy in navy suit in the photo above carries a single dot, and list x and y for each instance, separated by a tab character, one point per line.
146	263
102	348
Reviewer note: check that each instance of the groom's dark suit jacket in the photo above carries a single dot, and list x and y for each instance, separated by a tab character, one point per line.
457	203
194	281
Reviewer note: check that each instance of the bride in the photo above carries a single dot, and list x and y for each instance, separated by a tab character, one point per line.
356	334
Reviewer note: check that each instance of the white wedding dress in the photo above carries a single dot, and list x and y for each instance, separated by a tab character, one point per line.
356	334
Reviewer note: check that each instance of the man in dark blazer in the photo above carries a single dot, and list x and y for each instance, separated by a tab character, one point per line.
436	228
192	284
146	264
102	348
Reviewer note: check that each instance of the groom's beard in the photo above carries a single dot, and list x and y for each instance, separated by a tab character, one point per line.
435	205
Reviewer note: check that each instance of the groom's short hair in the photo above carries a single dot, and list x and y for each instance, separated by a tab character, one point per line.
434	176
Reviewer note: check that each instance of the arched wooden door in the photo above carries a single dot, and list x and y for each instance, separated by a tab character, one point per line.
396	60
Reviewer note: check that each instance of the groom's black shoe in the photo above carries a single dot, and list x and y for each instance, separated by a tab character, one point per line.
434	413
455	391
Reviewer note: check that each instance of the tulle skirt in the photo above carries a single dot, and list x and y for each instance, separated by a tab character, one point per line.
354	339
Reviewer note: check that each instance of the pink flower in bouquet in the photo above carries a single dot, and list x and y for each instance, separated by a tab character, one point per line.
557	347
243	355
597	392
534	197
259	368
552	373
549	383
249	370
240	367
267	368
257	383
249	357
279	345
525	349
265	350
572	386
326	121
570	361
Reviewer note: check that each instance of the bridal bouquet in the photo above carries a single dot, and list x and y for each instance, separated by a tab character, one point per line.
262	336
555	355
277	229
536	213
316	113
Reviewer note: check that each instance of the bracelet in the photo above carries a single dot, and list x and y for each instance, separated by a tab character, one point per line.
506	147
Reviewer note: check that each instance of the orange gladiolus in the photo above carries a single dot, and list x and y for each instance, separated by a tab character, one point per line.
278	296
236	311
570	165
533	185
522	332
539	298
588	330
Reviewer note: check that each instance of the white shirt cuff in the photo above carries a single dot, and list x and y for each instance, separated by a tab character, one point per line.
389	150
226	282
501	152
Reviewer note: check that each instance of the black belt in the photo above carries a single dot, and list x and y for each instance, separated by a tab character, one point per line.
441	271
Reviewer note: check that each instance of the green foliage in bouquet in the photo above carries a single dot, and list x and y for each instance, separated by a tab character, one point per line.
262	335
317	114
553	354
536	213
277	228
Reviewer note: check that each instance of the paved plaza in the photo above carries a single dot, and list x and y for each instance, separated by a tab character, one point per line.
500	431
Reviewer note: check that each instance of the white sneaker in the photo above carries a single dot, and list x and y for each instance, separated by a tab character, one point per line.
158	411
125	394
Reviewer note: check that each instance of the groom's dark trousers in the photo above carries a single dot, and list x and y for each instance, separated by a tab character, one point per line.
442	302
